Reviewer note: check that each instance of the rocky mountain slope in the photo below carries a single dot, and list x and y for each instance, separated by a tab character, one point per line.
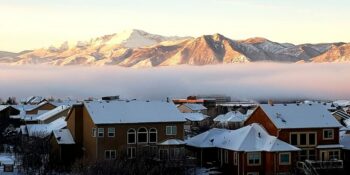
136	48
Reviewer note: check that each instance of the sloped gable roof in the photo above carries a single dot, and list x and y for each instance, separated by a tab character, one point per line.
194	106
300	116
116	111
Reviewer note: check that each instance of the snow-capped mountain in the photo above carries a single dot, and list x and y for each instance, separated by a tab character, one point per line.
136	48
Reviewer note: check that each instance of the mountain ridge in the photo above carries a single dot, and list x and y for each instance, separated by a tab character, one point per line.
137	48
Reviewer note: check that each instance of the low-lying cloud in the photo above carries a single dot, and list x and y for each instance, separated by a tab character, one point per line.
240	81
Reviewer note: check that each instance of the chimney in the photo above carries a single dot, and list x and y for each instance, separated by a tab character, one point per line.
270	102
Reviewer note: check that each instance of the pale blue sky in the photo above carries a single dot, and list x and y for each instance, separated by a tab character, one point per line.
29	24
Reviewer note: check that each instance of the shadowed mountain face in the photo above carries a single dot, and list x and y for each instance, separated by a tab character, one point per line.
136	48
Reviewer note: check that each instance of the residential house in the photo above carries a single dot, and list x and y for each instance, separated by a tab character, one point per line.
248	150
33	100
341	116
107	129
62	146
192	108
344	135
43	130
311	127
7	120
31	114
195	122
209	103
43	106
231	120
49	116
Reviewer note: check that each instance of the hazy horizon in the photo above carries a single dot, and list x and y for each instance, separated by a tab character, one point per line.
31	24
241	81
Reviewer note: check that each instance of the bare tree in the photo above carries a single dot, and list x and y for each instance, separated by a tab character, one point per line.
34	152
143	164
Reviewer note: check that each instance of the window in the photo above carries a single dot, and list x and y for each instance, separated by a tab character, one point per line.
303	139
294	139
163	154
174	153
284	158
110	154
254	158
328	134
131	152
131	136
307	154
142	135
334	155
235	158
226	156
93	132
171	130
101	132
111	132
312	139
153	135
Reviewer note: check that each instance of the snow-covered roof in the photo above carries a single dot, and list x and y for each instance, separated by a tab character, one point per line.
23	109
341	114
38	106
300	116
173	142
195	117
52	112
7	159
63	136
34	117
195	106
328	105
232	116
43	130
110	112
32	99
65	102
2	107
250	138
342	103
329	146
344	139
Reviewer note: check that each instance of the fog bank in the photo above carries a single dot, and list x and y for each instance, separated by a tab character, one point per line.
240	81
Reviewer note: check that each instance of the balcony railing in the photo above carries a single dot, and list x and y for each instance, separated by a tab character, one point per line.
331	164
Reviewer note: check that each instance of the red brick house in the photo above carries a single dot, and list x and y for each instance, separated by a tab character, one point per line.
248	150
308	126
107	129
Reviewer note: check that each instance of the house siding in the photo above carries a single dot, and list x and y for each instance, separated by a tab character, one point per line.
259	116
46	106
